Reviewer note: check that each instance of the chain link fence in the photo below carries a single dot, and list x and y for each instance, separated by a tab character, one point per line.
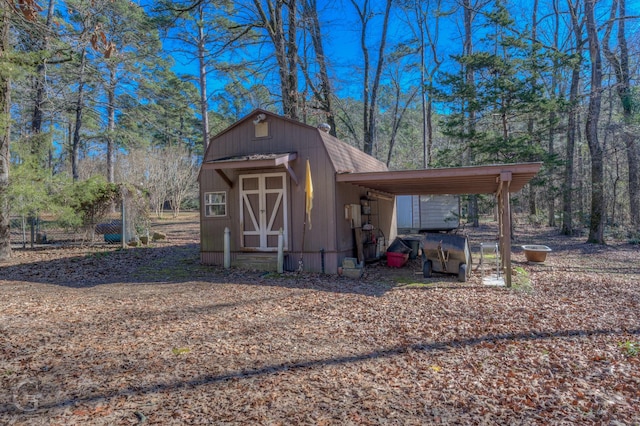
127	223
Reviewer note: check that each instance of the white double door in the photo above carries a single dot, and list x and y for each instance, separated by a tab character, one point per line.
263	210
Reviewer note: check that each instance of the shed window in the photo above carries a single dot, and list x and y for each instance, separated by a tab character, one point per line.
262	129
215	204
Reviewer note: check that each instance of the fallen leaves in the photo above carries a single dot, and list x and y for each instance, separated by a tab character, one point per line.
145	336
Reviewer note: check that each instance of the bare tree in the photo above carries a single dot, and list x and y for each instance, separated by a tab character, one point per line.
555	78
596	226
572	122
371	86
283	38
5	108
620	64
398	110
469	12
423	17
182	173
322	92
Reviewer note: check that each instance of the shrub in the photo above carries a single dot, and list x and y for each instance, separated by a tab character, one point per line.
86	202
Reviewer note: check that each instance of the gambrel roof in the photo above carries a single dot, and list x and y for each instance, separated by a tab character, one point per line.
344	157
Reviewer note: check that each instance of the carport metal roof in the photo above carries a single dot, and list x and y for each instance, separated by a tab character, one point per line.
455	180
500	179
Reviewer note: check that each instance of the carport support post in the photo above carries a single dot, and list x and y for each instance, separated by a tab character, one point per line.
505	225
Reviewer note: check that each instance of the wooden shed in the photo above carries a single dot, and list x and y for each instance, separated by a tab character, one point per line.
252	182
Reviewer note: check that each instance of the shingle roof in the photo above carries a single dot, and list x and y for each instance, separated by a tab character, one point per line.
349	159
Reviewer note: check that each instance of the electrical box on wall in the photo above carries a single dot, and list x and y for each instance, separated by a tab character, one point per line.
352	214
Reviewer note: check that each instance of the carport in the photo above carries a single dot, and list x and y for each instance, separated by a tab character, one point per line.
500	180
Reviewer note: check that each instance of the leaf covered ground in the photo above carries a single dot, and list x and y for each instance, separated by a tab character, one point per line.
150	336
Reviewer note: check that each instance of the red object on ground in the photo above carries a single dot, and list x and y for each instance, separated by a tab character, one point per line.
397	260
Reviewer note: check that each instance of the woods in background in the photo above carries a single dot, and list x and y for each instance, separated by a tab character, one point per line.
101	87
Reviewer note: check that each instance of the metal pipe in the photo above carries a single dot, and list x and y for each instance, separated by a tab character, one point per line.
280	251
227	248
123	229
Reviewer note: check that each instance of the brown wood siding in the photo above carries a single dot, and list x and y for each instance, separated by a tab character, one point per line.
329	230
213	258
212	228
384	218
313	262
285	137
345	195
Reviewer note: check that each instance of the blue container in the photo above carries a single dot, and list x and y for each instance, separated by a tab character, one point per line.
113	238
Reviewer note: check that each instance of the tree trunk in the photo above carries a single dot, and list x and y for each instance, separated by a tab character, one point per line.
572	127
596	226
623	87
286	51
398	115
471	114
111	123
567	184
551	196
5	114
78	125
370	88
432	35
324	94
426	125
292	61
373	105
202	75
39	81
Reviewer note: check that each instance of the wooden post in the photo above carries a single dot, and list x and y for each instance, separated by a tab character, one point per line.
505	225
124	219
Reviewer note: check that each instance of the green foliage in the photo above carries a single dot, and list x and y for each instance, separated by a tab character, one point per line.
630	348
31	185
180	351
502	115
86	202
160	113
520	280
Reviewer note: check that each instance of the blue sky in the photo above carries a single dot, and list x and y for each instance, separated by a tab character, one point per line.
342	39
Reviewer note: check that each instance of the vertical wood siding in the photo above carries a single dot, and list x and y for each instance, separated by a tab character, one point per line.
329	230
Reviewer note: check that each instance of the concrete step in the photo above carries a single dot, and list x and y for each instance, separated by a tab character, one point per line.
256	261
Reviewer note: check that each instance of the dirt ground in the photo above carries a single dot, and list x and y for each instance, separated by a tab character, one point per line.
103	336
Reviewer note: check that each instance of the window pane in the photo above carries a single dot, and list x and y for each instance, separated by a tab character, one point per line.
215	204
215	210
